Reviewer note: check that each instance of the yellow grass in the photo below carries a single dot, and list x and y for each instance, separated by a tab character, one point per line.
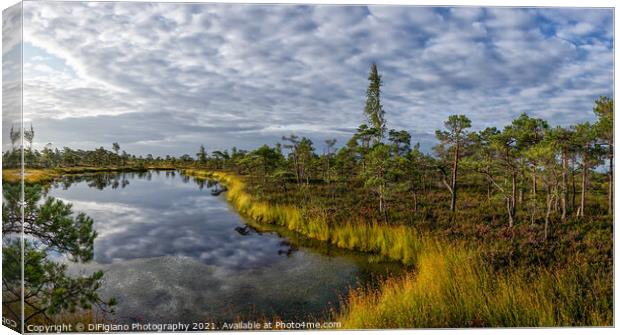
398	243
451	287
47	175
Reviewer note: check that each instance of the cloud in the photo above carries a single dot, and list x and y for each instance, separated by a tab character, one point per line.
164	78
179	257
195	224
11	28
11	72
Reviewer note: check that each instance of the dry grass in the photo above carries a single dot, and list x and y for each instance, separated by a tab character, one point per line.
34	176
398	243
451	287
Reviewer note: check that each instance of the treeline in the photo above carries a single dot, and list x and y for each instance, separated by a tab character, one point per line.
50	157
530	169
527	167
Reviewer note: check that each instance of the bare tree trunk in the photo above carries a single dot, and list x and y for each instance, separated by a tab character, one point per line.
510	209
534	188
327	174
584	185
488	192
574	189
513	205
415	202
385	216
297	176
455	167
610	198
382	204
534	212
564	185
550	201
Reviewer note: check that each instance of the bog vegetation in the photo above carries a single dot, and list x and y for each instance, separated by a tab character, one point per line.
504	226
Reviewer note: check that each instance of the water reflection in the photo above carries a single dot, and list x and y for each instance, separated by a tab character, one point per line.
164	219
184	253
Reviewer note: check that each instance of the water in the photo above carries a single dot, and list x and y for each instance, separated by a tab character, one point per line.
171	252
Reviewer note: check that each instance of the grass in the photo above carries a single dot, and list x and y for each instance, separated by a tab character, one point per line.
451	285
84	317
33	176
452	288
399	243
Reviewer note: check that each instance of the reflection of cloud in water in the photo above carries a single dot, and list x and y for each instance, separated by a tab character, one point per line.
173	252
112	218
165	217
169	289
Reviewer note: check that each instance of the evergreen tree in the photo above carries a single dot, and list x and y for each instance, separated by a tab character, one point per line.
375	114
585	139
604	110
451	143
52	230
116	147
202	155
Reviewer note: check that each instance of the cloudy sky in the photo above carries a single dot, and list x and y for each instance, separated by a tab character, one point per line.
164	78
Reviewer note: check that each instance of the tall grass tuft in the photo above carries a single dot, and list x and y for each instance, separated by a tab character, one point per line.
399	243
451	285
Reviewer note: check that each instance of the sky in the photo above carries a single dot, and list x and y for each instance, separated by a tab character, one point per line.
165	78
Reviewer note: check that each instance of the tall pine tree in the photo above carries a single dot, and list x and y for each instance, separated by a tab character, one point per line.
374	110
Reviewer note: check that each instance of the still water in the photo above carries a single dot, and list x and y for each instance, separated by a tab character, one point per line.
172	251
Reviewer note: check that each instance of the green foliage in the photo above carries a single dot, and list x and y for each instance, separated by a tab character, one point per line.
202	155
385	197
50	157
116	147
50	221
518	215
400	141
301	156
455	125
375	114
525	131
451	144
452	288
604	110
50	227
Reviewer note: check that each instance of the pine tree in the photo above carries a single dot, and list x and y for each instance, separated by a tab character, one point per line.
375	114
202	155
604	110
453	141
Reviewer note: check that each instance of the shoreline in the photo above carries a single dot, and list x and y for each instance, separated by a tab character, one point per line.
449	286
396	243
43	175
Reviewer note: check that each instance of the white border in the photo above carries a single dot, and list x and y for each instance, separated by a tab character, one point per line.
506	3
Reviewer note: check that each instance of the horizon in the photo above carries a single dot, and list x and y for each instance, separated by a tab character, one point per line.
165	78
